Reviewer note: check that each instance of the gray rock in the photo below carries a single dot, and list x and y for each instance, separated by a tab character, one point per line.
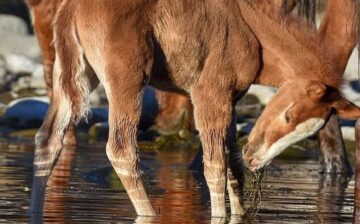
95	99
23	45
351	72
2	75
37	83
41	92
348	133
38	72
100	99
263	93
21	84
2	63
249	106
12	25
20	64
99	131
350	94
2	72
37	78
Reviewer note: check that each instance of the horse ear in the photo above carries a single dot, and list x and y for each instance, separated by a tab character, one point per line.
315	90
347	110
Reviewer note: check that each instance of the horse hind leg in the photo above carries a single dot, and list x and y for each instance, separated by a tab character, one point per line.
48	143
50	137
124	88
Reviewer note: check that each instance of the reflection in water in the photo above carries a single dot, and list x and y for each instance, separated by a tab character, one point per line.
55	202
144	220
293	191
331	198
218	220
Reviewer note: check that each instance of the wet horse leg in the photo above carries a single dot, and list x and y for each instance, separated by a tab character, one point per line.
333	156
338	34
49	139
124	88
48	147
356	215
213	114
235	173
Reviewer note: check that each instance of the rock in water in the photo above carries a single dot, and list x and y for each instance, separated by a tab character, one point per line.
99	132
28	113
25	113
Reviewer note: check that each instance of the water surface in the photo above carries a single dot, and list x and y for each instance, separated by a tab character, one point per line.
84	189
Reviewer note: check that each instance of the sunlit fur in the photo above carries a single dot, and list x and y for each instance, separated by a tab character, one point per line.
129	43
267	152
318	67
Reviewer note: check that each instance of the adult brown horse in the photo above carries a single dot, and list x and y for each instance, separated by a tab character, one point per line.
127	44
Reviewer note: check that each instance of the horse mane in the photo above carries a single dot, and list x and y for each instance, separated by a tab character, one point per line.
305	9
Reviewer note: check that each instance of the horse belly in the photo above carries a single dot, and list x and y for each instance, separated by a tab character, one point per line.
181	46
183	58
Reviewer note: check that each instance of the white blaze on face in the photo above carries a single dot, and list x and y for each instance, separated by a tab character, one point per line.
302	131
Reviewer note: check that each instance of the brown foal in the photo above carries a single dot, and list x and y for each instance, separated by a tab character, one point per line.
175	110
126	44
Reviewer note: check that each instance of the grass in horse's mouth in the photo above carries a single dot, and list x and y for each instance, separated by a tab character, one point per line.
253	192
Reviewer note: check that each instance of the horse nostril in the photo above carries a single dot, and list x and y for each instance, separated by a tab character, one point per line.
250	161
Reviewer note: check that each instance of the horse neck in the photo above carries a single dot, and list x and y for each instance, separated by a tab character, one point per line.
337	35
337	31
274	72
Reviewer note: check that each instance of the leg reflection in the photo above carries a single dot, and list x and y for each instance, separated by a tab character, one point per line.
331	198
56	201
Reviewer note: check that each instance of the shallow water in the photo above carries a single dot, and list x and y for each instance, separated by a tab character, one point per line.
84	189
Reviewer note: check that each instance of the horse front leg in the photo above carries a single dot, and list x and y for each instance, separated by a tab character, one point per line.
333	156
235	175
124	88
212	112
